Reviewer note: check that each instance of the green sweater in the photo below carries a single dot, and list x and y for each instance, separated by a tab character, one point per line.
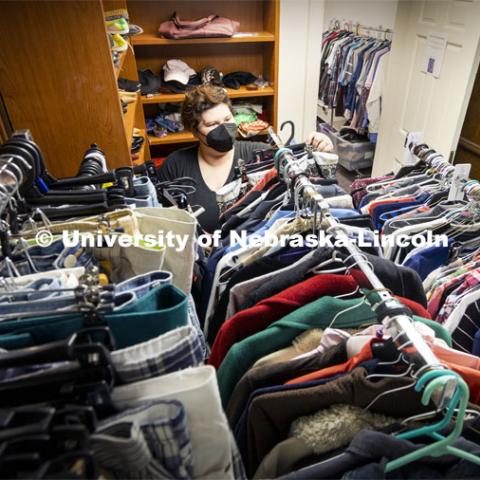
317	314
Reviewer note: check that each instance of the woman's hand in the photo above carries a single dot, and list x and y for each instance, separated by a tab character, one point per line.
320	141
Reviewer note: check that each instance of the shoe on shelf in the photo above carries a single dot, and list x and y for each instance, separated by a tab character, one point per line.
137	143
124	106
119	43
134	30
128	94
117	13
117	25
128	85
127	99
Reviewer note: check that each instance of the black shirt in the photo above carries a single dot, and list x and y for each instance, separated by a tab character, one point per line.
184	163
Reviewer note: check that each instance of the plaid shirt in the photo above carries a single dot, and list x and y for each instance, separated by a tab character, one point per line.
152	358
195	322
165	429
442	284
169	441
470	280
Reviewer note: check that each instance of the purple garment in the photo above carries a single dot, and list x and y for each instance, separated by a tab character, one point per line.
360	185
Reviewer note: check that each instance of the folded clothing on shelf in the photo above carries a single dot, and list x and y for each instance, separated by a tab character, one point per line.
168	120
211	26
246	112
252	129
176	76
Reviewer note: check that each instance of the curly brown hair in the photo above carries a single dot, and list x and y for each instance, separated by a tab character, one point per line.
200	99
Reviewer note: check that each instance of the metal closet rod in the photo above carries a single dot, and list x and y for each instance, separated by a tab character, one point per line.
355	27
390	312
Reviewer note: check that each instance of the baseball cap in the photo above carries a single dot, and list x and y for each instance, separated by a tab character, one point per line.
178	71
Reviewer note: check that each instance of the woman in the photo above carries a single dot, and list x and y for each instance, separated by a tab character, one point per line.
207	113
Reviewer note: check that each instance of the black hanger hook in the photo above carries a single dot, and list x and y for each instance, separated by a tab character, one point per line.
292	134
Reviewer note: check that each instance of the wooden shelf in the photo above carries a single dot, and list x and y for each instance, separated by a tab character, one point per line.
129	121
242	92
118	69
181	137
184	137
254	37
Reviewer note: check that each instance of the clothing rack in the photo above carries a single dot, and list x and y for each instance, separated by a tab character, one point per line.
437	161
396	318
385	31
360	29
382	38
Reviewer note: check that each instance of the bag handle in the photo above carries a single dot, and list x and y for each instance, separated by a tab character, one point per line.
192	24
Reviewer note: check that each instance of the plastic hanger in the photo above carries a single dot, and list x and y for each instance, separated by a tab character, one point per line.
73	348
431	382
87	371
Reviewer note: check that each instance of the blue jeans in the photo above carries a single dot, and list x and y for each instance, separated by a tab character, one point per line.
37	290
144	191
43	259
140	201
141	284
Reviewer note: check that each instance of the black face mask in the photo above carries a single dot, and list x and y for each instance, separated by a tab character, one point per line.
221	138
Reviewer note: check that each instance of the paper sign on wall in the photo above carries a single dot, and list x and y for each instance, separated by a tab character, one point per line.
434	54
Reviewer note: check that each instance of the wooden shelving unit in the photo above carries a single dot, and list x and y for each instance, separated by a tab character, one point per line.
181	137
253	37
118	69
89	111
63	84
254	49
242	92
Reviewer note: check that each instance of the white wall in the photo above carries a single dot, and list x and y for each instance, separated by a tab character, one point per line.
299	63
373	13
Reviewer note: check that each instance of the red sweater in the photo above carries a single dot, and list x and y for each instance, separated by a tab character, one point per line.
255	319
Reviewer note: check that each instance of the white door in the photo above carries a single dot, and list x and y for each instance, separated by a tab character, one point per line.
416	101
